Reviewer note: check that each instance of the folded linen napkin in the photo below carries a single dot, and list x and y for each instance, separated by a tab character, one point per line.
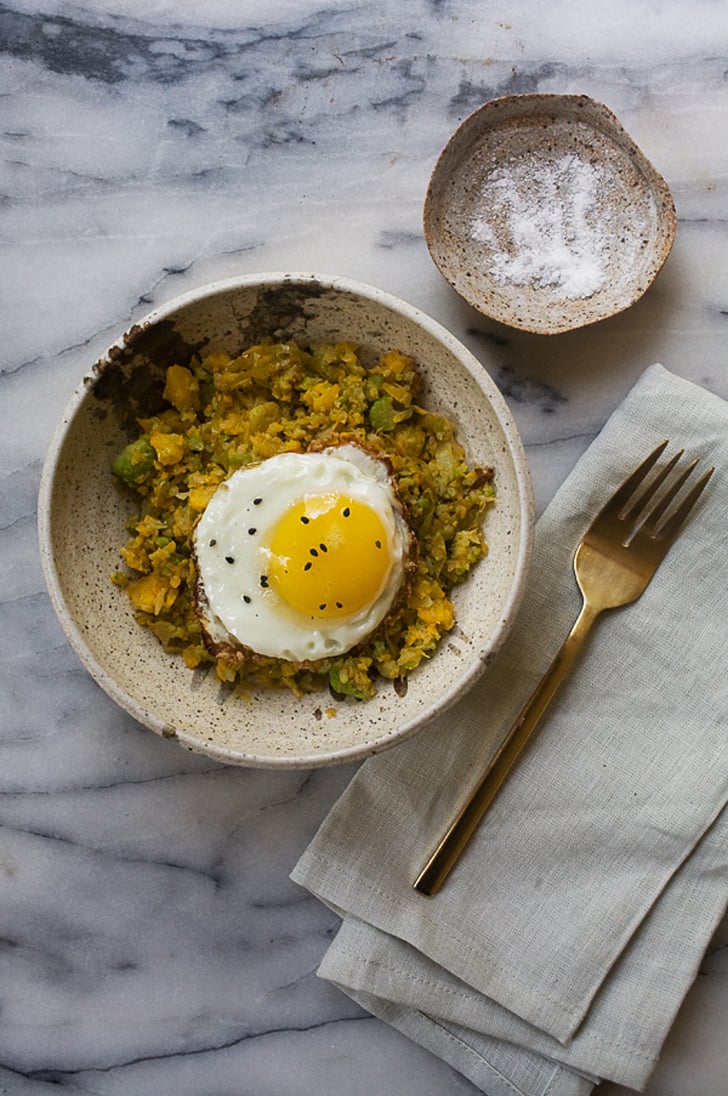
562	945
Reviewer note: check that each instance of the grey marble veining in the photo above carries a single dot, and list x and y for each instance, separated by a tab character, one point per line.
150	939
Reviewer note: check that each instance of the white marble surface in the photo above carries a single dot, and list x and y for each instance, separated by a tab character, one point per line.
150	939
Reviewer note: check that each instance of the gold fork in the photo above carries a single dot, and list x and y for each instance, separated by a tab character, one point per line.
613	564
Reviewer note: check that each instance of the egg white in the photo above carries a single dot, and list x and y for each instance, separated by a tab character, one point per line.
235	604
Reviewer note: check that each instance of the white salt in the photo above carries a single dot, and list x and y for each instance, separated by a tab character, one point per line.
544	229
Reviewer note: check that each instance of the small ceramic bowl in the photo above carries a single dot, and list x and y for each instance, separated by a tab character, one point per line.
82	514
542	213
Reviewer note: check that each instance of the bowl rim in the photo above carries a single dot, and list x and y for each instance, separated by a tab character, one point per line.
521	562
611	127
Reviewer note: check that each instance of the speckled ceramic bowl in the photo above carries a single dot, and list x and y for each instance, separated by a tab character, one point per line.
542	213
82	513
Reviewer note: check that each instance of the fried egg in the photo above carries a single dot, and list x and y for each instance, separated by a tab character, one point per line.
300	557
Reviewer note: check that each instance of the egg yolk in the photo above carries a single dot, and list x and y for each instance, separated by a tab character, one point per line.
329	556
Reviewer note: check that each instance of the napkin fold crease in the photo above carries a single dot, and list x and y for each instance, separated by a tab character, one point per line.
562	945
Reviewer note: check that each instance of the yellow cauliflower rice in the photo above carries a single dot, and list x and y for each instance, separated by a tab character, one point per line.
225	413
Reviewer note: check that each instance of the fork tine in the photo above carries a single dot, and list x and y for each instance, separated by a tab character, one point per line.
653	518
640	504
624	493
669	529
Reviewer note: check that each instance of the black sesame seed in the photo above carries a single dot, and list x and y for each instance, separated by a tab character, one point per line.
346	511
246	599
312	552
339	605
264	581
252	532
322	606
307	566
378	543
257	502
323	547
304	520
213	542
230	559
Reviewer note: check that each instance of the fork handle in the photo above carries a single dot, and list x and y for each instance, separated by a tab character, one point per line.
448	851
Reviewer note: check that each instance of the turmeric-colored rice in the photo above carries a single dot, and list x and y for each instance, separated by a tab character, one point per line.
226	412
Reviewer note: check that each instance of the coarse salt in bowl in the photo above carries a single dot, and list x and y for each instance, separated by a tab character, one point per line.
542	213
82	516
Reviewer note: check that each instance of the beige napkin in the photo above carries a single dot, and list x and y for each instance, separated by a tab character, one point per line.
561	947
